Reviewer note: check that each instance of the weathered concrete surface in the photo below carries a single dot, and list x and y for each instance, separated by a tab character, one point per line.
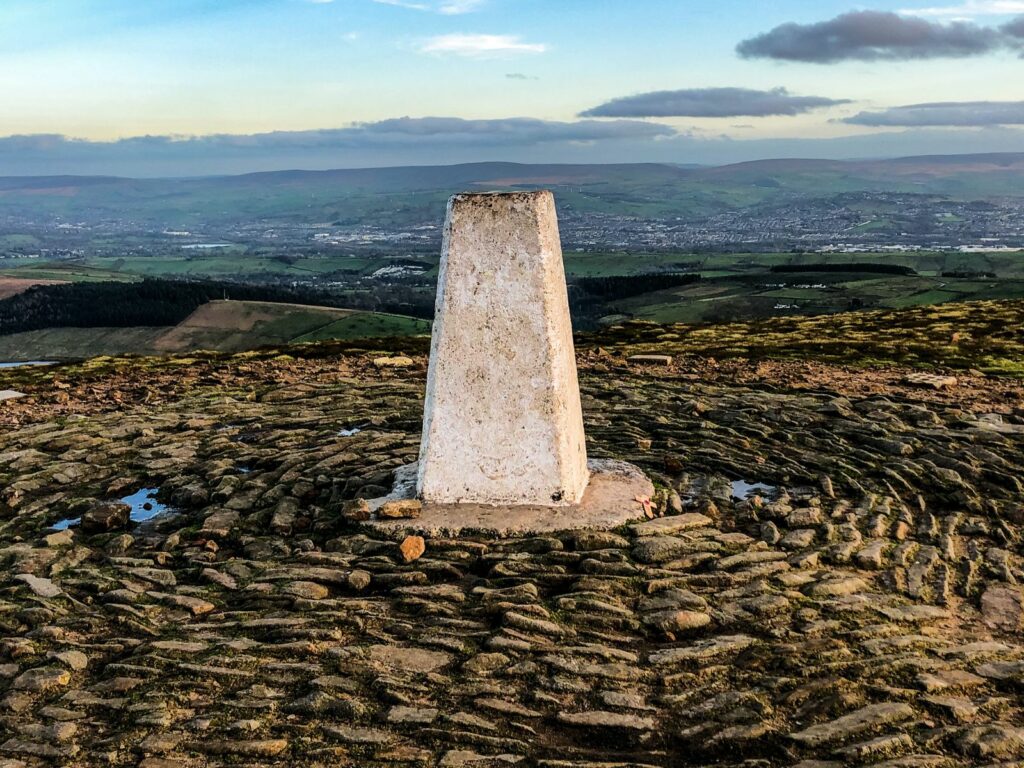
503	423
610	500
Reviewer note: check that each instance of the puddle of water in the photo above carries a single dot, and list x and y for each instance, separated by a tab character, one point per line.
27	363
144	504
741	489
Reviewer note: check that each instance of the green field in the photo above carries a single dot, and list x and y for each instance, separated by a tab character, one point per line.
65	271
734	287
254	263
731	298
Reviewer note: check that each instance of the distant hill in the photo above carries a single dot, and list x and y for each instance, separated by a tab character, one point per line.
404	195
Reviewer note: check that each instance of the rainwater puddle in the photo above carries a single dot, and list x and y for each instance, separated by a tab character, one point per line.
144	504
741	489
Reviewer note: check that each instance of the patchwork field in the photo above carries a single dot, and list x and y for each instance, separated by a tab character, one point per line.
225	326
807	293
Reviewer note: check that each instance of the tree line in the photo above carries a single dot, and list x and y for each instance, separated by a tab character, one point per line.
156	302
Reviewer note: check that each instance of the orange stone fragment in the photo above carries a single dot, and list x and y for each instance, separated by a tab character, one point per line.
412	548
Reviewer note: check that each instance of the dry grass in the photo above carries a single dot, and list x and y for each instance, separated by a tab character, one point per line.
12	286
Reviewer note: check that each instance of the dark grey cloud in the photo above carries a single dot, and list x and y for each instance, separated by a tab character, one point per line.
949	113
711	102
1015	28
413	131
872	36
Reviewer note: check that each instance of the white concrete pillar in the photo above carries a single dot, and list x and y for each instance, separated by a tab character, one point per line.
503	423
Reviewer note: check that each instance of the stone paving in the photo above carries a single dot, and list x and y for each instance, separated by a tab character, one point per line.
862	609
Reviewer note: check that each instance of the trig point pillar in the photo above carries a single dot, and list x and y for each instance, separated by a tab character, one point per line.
503	423
503	449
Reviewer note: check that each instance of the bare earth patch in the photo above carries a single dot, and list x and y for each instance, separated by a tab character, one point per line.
12	286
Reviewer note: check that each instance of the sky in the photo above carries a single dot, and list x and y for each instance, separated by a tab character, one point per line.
195	87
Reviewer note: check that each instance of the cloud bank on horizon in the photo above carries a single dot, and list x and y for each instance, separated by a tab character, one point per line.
186	87
945	114
442	141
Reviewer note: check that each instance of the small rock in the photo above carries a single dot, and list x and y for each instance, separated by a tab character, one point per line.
308	590
602	719
998	741
356	511
412	715
39	586
485	663
220	579
107	516
254	748
42	679
359	580
839	587
194	604
409	660
1002	607
120	545
669	525
864	719
399	361
407	509
357	735
220	523
63	538
677	621
412	548
158	576
650	359
74	660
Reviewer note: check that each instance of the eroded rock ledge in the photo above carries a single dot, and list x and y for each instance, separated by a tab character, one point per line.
865	611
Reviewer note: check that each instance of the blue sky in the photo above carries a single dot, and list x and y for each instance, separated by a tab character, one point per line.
322	84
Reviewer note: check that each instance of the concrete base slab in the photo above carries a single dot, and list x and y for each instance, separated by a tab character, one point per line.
609	501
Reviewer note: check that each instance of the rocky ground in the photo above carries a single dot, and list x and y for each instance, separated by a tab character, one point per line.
862	609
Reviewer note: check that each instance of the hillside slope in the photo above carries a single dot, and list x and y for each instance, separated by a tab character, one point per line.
223	326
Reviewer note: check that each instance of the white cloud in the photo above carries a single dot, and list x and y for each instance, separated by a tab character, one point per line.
455	7
969	9
480	46
446	7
